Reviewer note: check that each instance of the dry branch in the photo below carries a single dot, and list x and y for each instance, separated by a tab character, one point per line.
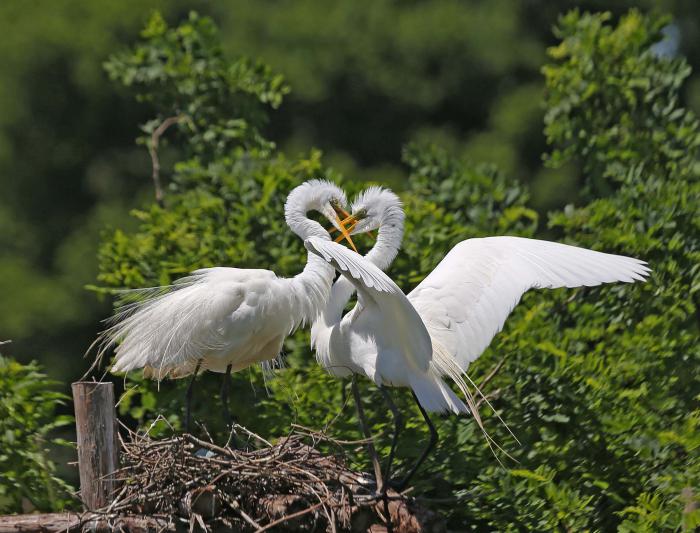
184	483
155	159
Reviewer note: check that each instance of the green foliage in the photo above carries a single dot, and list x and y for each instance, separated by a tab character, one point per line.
600	385
216	214
365	68
650	383
28	405
67	164
229	211
613	102
182	73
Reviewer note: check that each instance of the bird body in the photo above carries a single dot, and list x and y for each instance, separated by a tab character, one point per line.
427	339
232	332
225	319
450	318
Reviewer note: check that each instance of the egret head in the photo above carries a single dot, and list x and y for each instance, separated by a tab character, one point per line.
373	208
324	197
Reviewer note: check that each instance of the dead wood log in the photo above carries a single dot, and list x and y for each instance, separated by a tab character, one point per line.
30	523
88	522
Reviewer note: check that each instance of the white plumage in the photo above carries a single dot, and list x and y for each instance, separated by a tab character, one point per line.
428	338
218	316
465	300
375	206
450	318
223	316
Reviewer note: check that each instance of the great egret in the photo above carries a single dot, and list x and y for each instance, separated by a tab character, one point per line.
383	208
226	319
450	318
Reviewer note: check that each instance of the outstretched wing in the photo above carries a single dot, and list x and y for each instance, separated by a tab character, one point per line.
399	319
465	301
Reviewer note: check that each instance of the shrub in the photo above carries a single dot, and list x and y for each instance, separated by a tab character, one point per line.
28	406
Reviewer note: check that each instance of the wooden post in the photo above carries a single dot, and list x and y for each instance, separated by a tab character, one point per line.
98	447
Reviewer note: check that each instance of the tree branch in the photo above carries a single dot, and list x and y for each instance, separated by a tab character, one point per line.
153	151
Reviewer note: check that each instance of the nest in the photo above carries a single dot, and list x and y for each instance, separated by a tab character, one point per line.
184	482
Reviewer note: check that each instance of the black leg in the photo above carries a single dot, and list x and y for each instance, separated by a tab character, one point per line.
426	452
398	427
343	392
188	397
225	384
230	420
368	435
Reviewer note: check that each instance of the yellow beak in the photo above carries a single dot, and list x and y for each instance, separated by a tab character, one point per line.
353	222
344	233
339	238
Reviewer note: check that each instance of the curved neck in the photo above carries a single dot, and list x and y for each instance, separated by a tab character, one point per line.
311	287
389	237
298	204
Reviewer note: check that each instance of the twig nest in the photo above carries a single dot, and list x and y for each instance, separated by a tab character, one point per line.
287	486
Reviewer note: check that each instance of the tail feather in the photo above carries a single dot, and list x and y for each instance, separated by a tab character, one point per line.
148	333
443	365
434	395
453	402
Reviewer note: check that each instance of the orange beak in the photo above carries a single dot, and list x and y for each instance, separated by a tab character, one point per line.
353	222
339	238
344	233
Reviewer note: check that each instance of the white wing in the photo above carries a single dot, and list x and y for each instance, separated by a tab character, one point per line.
465	301
219	315
400	320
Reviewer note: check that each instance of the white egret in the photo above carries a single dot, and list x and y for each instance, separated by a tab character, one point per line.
383	208
226	319
450	318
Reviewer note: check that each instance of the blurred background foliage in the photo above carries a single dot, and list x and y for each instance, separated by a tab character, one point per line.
444	102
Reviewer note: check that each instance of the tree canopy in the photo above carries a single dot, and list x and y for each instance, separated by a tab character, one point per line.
367	79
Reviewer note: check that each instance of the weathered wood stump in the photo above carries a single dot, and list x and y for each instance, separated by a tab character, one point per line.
97	438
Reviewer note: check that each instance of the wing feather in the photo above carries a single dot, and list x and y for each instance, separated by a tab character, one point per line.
465	301
400	320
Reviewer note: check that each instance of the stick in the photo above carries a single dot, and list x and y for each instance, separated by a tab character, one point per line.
153	151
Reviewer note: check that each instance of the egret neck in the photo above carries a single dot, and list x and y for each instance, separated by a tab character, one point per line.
310	288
